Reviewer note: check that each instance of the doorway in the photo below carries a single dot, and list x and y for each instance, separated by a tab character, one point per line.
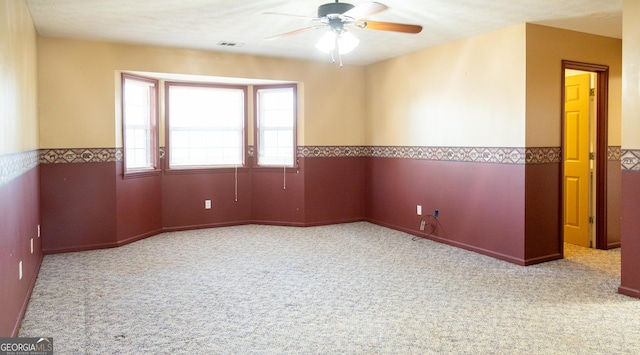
584	154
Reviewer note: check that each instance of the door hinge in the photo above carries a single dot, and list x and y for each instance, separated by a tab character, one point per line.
592	156
590	220
592	92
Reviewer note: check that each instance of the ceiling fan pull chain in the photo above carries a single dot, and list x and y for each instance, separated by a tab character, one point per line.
338	49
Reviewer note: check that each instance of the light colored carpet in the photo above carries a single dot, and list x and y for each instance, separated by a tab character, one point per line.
353	288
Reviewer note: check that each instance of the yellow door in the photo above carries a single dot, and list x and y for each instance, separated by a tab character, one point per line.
576	160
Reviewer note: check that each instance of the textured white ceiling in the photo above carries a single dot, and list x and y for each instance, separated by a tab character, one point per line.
202	24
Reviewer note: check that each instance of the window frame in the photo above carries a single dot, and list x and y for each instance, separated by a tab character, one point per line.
154	140
257	128
188	169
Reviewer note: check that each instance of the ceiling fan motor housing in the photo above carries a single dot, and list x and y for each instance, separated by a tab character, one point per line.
333	8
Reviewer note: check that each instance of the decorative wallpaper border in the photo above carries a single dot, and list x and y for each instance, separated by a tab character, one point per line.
499	155
630	160
502	155
458	154
16	164
333	151
614	153
80	155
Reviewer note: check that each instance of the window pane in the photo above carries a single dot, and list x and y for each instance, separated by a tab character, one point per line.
204	107
279	118
179	155
231	139
137	102
138	113
214	138
202	121
277	99
140	157
276	119
269	140
285	139
140	139
232	154
179	139
215	154
197	139
197	156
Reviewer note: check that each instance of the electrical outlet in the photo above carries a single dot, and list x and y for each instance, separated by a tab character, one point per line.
422	223
435	213
419	210
207	204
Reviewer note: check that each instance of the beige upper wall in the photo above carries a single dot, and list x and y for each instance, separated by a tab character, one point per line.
78	79
546	48
466	93
631	75
18	79
497	89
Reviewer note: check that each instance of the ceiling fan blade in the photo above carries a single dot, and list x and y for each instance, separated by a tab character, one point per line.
295	32
364	10
388	26
291	15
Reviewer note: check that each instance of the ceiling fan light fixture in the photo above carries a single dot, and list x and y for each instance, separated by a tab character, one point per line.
338	17
327	43
345	41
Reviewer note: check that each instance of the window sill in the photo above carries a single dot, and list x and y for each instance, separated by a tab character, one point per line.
205	170
134	174
278	169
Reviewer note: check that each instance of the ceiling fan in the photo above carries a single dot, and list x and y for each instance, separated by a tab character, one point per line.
337	17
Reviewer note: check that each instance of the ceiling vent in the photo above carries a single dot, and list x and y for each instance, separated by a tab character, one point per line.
230	44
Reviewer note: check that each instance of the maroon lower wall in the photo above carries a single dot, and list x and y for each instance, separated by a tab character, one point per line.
184	195
277	195
138	206
334	190
480	205
543	240
508	211
614	205
19	220
90	205
630	227
78	204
